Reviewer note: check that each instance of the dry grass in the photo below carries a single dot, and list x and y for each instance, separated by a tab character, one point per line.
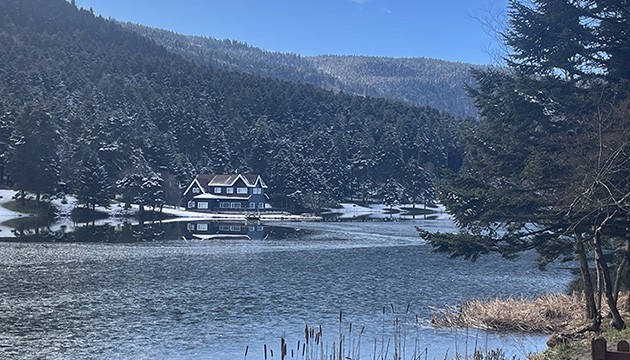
547	314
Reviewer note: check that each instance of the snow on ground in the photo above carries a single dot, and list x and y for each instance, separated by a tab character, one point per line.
68	203
185	215
377	211
6	214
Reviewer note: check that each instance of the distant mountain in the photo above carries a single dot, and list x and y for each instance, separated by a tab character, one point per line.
436	83
429	82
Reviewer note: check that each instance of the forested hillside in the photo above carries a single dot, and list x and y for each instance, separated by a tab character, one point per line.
93	108
429	82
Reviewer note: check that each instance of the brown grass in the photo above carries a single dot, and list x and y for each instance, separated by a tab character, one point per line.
547	314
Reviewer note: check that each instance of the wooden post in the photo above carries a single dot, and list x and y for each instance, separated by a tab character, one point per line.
599	352
598	349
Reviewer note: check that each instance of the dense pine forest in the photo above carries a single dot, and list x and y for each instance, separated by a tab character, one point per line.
429	82
91	108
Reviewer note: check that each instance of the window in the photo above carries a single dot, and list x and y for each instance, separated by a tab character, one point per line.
261	205
224	228
229	191
256	191
191	204
202	205
224	205
252	205
217	190
196	190
241	190
236	205
202	227
190	227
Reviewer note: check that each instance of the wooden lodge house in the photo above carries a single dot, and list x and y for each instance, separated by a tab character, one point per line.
225	192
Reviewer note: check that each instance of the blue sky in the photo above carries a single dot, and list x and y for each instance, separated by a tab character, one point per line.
443	29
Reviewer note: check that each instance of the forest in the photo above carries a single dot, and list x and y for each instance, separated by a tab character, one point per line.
91	108
422	81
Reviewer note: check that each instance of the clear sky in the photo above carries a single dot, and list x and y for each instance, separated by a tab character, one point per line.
443	29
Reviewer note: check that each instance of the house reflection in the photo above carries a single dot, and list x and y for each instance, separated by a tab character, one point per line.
225	230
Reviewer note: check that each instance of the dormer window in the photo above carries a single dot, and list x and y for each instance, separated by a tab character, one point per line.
217	190
196	190
256	191
241	190
229	190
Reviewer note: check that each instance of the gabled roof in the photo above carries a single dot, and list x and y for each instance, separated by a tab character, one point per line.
222	179
230	179
207	181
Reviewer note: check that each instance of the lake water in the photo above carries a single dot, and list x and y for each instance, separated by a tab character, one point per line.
181	297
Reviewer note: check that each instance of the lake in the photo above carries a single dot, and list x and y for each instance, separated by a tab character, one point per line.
186	292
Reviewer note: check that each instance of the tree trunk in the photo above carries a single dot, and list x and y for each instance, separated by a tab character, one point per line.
589	293
620	268
617	321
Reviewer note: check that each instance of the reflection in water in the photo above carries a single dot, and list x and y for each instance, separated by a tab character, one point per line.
225	230
150	231
141	292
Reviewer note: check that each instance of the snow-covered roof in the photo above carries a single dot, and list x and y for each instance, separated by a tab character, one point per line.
230	179
206	181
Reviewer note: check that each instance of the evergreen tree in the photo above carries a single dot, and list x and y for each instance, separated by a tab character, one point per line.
6	124
417	184
521	187
33	162
392	193
93	187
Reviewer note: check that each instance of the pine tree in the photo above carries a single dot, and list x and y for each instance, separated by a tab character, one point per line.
32	162
522	186
392	192
93	186
6	123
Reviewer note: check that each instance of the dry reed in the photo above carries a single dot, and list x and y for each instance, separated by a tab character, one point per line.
547	314
403	343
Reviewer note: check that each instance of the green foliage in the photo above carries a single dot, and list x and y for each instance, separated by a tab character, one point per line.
144	190
93	187
32	160
548	166
427	82
524	184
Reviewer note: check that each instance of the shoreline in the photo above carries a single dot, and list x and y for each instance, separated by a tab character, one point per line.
116	214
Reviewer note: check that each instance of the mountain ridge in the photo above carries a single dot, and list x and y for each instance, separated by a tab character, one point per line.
440	84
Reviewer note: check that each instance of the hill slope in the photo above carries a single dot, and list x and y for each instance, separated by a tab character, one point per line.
429	82
89	94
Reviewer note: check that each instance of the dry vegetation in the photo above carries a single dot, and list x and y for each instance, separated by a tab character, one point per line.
551	313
